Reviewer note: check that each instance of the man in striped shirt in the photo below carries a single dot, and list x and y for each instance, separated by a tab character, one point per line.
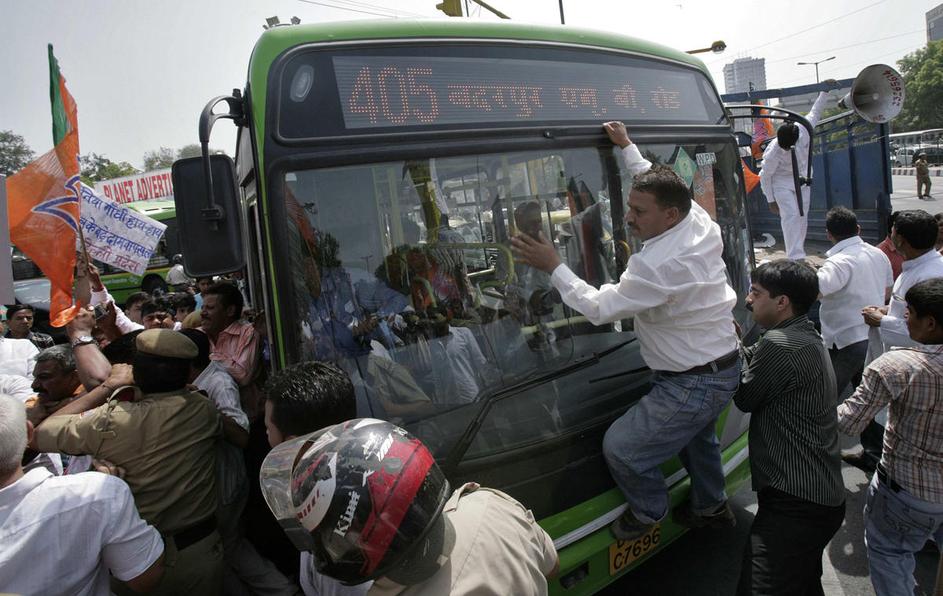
905	499
789	387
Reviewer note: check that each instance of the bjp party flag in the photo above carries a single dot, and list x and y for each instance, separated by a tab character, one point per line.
43	202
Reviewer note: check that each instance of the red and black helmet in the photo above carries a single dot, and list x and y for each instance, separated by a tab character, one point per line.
366	492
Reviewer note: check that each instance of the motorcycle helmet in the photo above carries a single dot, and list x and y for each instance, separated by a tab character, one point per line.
365	497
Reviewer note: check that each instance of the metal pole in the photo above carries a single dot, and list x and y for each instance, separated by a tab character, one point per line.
562	22
816	72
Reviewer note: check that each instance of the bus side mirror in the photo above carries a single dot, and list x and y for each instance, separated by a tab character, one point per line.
210	235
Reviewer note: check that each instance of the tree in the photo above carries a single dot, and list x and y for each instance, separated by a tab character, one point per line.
160	159
194	150
95	167
165	157
14	152
923	85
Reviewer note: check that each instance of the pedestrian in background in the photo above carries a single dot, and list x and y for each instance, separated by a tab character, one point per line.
922	170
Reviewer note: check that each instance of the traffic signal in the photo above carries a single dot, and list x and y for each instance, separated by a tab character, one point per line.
453	8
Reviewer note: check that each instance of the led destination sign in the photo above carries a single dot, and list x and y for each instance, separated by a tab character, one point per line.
407	91
327	94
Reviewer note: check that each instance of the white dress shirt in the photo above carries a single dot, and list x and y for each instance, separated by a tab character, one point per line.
62	534
854	275
124	324
17	357
776	175
675	287
893	325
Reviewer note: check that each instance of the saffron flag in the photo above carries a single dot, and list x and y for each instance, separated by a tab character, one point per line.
750	179
43	202
762	130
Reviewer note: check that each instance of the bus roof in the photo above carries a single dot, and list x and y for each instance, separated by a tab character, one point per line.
278	39
156	209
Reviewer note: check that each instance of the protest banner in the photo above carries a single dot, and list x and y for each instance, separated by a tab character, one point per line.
117	235
148	186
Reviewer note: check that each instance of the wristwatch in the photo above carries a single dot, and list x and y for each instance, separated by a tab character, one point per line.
82	340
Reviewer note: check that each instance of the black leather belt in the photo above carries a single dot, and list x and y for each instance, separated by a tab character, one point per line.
887	480
720	364
195	533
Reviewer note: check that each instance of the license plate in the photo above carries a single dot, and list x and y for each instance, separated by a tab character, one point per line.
623	553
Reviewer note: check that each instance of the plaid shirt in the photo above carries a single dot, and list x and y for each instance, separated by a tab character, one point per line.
911	381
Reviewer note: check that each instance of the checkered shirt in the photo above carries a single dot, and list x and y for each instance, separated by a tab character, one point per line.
910	382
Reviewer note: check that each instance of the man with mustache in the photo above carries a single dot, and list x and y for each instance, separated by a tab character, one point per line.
676	290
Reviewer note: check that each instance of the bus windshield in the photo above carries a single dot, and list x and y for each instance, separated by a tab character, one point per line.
401	273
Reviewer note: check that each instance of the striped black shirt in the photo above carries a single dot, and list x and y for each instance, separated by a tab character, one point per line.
789	387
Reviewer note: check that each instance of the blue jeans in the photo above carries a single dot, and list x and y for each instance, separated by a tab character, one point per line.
678	416
897	525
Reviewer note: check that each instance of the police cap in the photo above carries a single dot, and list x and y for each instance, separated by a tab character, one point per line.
166	343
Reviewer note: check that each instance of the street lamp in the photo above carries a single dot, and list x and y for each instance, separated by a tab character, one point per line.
816	64
717	47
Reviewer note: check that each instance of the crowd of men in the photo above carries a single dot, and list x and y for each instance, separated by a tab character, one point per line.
129	455
126	456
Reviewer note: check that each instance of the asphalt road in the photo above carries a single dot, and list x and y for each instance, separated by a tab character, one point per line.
707	562
905	194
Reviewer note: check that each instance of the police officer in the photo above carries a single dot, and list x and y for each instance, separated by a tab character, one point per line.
165	440
922	169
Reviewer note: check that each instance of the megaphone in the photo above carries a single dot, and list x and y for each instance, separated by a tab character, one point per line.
877	95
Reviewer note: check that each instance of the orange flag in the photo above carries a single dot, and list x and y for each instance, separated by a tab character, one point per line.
750	180
43	202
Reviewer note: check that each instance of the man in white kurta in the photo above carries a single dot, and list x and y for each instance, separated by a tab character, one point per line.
778	184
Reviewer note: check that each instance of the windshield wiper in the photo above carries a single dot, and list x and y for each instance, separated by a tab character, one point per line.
488	399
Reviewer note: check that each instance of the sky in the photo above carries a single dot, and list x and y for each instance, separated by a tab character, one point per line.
141	72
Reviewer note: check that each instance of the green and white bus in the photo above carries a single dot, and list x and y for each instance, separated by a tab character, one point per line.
381	168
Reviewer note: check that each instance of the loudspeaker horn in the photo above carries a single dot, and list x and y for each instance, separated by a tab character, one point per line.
877	95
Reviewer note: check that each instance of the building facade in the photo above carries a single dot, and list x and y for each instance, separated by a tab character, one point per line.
935	24
740	74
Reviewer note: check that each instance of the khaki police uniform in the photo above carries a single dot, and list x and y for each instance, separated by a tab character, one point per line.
922	170
166	442
499	550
